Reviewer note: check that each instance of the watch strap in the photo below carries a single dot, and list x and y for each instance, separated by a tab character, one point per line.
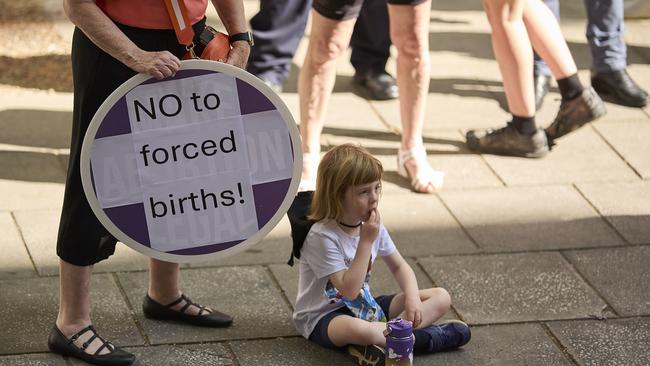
244	36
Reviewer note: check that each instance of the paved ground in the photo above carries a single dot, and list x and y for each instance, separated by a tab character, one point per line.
546	259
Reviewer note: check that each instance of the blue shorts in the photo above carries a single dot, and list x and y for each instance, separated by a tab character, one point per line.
347	9
319	334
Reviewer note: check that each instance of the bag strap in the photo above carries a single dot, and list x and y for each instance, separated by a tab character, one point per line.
181	21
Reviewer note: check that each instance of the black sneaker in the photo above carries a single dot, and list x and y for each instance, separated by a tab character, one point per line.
508	141
575	113
371	355
449	335
542	85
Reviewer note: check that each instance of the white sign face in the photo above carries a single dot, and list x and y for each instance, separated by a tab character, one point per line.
191	168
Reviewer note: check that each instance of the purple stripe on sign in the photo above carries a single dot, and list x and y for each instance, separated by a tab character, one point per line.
181	75
268	198
116	121
131	220
251	100
206	249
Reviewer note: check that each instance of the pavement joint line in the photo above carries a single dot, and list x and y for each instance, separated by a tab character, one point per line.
428	276
34	149
559	345
278	286
586	281
460	224
496	174
386	124
22	238
617	152
139	326
604	217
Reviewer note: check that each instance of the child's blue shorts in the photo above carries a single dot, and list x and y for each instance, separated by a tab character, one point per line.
319	334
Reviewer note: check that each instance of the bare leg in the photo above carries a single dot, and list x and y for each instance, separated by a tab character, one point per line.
409	27
344	330
164	288
547	39
74	304
513	52
327	41
435	304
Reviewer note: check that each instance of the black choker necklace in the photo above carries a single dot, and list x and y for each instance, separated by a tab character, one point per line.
351	226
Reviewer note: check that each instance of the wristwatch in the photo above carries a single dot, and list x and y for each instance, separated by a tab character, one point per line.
244	36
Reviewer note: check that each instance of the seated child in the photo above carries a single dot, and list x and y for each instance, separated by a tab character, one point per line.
334	306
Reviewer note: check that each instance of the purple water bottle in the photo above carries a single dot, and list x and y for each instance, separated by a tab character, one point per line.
399	342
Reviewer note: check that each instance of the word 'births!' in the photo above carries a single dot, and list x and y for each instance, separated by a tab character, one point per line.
170	105
194	202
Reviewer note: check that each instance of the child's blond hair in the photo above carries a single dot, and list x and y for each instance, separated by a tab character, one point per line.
343	166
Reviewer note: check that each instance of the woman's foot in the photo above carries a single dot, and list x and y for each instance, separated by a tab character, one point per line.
412	164
310	163
184	310
88	346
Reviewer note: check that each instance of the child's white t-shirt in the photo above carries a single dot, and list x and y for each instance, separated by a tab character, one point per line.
327	250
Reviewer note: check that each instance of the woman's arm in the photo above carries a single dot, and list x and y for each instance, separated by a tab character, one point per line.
86	15
231	13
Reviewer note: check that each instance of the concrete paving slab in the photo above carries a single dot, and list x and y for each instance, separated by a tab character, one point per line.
286	352
213	354
382	282
620	275
40	230
625	205
31	167
581	156
630	139
501	345
34	127
246	293
620	342
28	310
15	261
420	225
529	218
274	248
36	359
507	288
20	195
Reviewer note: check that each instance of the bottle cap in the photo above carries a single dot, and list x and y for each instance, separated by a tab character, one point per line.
399	328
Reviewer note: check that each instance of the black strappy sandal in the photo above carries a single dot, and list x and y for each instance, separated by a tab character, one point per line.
205	317
57	342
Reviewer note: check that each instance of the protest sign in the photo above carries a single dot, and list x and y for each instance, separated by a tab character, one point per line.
194	167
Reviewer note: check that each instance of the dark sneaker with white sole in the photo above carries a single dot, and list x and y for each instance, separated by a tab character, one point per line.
449	335
575	113
508	141
371	355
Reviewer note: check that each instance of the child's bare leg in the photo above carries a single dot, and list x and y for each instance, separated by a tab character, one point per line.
435	304
345	329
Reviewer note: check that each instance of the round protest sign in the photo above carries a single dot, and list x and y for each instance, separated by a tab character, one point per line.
194	167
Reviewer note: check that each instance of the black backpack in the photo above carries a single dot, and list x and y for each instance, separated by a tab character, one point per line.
300	224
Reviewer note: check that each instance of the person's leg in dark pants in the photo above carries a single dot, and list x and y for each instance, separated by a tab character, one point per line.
609	54
370	51
278	28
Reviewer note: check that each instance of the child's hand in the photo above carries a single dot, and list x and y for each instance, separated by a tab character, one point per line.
413	310
370	228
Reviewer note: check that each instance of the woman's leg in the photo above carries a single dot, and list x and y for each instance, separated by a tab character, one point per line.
74	304
435	303
164	279
514	54
327	40
409	31
547	39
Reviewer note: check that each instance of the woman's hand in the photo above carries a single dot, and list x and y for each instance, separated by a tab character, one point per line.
238	55
160	65
413	310
370	228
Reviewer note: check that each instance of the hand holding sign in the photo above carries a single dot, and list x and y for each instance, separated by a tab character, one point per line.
193	167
